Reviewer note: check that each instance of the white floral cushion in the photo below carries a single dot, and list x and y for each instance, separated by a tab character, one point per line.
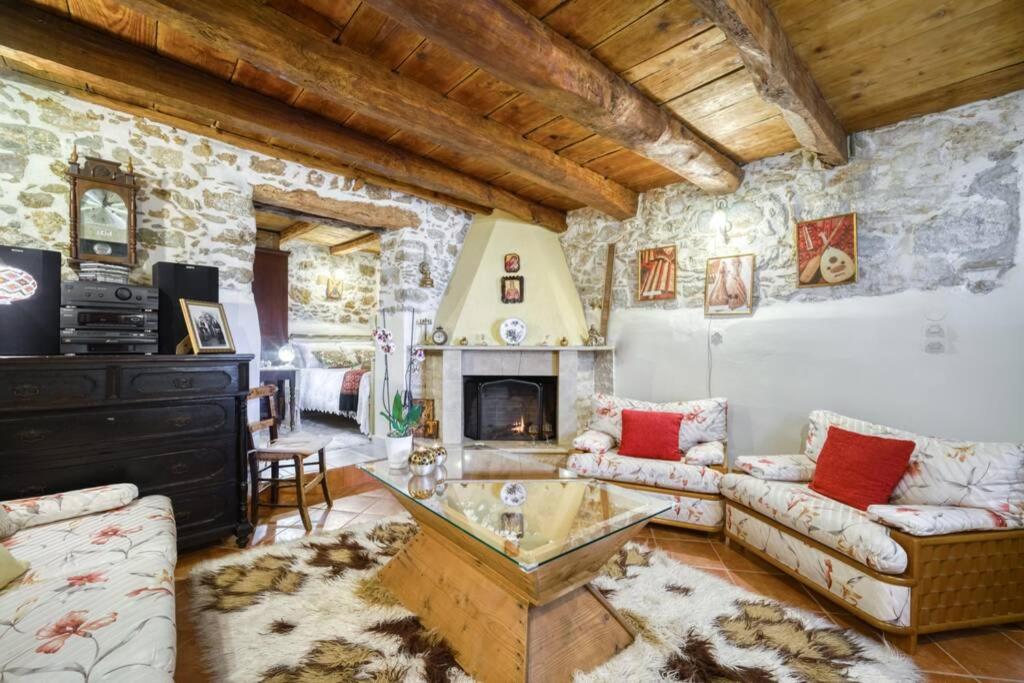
29	512
935	520
841	527
986	475
846	581
777	467
702	512
667	474
703	419
98	598
593	441
7	525
710	453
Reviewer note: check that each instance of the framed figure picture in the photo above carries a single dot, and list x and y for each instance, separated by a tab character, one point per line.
511	263
333	289
656	274
512	289
729	285
826	251
207	324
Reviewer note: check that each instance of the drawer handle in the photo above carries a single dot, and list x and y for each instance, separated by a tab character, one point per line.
181	421
32	435
182	515
26	390
182	382
178	468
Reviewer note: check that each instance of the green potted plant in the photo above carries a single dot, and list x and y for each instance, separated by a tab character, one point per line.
400	412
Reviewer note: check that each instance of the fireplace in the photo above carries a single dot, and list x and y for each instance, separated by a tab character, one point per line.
510	408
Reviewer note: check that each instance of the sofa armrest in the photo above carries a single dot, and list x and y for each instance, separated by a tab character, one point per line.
29	512
777	467
706	454
936	520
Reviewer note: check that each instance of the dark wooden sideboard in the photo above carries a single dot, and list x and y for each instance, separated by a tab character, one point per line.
172	425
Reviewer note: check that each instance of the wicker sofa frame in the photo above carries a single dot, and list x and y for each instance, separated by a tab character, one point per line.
961	580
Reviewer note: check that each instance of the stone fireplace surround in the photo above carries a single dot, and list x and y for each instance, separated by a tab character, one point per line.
572	365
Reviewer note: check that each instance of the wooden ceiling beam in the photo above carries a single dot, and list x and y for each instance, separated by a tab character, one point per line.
123	76
358	213
357	244
511	44
280	46
779	75
296	230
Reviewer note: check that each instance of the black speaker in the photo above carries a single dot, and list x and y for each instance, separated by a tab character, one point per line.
181	281
29	302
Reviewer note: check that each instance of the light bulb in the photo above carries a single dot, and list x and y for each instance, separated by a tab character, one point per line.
286	354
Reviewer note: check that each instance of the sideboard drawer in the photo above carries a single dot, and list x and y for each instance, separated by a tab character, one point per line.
169	381
104	426
165	466
203	508
41	387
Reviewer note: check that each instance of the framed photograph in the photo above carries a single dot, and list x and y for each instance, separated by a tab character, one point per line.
826	251
207	324
656	274
333	289
729	285
427	427
511	263
512	289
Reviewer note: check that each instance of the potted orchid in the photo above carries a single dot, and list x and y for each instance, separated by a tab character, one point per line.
399	411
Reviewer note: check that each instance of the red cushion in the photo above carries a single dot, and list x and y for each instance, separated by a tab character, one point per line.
647	434
860	470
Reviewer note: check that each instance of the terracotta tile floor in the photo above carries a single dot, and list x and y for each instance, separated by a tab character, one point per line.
990	654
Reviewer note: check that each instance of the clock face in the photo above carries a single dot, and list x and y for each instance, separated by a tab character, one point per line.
103	221
439	337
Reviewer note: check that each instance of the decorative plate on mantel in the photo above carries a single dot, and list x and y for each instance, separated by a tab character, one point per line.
513	331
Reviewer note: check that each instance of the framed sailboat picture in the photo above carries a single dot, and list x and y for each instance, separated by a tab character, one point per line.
656	274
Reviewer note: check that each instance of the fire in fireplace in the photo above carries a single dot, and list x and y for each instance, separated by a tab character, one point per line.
510	408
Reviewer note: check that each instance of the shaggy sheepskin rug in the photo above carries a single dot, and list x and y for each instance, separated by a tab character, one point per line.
313	610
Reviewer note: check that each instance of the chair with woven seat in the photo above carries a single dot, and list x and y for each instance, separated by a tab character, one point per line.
286	452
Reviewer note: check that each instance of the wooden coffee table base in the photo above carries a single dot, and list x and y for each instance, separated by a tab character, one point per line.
502	623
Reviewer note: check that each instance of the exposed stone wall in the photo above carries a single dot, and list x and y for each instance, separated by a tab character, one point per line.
937	201
310	266
194	202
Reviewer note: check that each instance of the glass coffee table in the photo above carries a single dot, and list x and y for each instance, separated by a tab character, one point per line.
501	567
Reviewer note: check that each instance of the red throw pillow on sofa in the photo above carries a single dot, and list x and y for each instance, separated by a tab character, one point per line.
647	434
860	470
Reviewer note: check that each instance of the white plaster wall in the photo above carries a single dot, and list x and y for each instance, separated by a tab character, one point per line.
861	356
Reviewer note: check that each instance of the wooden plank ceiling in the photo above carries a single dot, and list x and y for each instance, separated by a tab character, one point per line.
875	61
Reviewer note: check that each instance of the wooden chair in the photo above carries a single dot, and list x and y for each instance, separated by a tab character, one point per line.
290	451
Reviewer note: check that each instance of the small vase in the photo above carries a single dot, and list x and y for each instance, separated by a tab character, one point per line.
398	449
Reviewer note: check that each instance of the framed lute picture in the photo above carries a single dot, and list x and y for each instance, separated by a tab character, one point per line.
826	251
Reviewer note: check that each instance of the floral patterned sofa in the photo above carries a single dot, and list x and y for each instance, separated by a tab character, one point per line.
691	484
946	553
97	602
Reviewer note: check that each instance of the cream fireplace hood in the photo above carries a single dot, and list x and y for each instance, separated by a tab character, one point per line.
472	303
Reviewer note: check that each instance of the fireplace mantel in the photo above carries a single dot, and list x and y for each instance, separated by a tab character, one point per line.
509	361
